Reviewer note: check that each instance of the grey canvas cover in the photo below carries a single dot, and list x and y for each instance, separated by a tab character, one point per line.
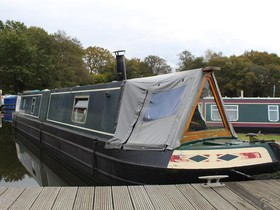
154	111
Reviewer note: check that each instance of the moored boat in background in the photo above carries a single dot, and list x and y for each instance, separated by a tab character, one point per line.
246	114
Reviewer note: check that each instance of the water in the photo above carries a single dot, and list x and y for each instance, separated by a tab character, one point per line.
24	164
12	172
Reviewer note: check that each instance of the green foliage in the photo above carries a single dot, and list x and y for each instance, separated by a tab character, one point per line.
256	73
156	65
189	61
98	60
16	52
135	68
30	58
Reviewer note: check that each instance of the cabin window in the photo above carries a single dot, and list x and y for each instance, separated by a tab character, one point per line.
23	104
164	104
80	107
215	114
30	105
232	112
273	113
33	105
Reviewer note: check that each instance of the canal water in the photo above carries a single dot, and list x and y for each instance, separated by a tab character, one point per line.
23	164
12	172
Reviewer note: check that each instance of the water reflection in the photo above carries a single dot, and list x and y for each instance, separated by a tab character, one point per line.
12	173
46	169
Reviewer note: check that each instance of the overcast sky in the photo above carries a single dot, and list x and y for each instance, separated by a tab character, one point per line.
156	27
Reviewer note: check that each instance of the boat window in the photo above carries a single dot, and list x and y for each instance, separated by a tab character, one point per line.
23	104
231	111
30	105
80	107
215	115
164	104
201	120
200	126
273	113
33	105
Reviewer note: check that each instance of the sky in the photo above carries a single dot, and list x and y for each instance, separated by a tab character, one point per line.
163	28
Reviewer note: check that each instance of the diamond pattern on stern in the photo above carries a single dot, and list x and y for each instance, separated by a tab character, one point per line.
228	157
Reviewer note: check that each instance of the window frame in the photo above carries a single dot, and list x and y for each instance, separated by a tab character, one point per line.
226	131
269	113
215	110
232	110
74	114
33	105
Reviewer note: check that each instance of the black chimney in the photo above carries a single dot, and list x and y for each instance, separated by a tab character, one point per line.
120	65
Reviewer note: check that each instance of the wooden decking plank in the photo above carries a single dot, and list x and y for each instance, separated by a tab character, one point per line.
103	198
65	198
9	197
194	197
264	192
158	197
26	199
213	197
140	198
84	198
247	195
46	198
121	198
178	200
273	189
2	190
237	201
273	182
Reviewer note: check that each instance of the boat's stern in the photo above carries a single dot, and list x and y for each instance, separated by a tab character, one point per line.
225	157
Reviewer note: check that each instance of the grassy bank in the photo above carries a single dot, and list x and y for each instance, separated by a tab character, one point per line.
261	136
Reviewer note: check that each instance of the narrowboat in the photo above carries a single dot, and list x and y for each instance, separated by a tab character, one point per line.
143	131
246	114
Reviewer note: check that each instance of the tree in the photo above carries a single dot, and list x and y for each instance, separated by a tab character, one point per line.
42	64
210	54
67	58
30	58
135	68
156	65
98	59
188	61
262	58
16	55
231	78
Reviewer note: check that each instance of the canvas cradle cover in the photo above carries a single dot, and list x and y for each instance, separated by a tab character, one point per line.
154	111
